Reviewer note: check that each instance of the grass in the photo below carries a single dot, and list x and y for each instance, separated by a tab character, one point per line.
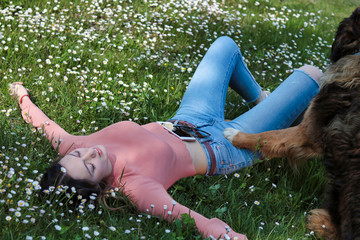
89	64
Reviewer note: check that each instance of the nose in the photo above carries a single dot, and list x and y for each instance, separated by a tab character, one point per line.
89	154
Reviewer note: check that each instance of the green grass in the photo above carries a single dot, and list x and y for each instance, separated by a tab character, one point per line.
89	64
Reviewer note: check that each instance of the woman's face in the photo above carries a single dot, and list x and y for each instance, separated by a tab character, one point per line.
87	163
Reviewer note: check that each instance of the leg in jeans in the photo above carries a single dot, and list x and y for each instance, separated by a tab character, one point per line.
222	65
204	101
280	108
276	113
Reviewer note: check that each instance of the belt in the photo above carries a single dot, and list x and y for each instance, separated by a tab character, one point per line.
200	134
212	157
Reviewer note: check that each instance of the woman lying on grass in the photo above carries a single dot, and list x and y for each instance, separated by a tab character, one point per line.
146	160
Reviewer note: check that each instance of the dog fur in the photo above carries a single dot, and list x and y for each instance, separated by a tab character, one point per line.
341	160
330	129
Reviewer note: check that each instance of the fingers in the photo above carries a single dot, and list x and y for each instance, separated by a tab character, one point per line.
13	88
15	84
17	90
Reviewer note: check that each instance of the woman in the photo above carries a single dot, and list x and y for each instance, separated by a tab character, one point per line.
146	160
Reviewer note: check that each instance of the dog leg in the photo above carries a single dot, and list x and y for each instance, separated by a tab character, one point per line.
271	144
319	221
290	142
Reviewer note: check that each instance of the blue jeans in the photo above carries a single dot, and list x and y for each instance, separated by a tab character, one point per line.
204	102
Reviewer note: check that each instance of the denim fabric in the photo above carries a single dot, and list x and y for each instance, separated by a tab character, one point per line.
204	101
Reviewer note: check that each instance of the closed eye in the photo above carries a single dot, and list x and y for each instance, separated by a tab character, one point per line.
88	169
75	154
92	167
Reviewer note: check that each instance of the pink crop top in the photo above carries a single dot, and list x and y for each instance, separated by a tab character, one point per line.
150	158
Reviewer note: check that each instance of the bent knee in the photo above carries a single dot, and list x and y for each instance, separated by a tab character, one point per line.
225	41
313	72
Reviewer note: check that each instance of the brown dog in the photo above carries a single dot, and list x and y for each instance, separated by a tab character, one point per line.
326	120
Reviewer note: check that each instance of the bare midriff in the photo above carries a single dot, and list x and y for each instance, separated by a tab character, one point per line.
198	157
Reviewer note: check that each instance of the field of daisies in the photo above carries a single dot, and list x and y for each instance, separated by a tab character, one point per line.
90	63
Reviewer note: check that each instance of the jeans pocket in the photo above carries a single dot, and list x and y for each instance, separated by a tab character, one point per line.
222	155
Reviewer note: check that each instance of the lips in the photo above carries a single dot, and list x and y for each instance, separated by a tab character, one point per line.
98	151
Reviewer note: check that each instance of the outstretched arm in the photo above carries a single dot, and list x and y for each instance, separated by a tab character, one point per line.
151	197
34	116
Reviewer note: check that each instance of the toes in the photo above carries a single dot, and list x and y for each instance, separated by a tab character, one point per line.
229	133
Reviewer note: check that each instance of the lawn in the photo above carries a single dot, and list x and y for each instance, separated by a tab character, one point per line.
91	63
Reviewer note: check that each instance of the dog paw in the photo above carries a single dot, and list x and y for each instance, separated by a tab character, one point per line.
319	221
229	133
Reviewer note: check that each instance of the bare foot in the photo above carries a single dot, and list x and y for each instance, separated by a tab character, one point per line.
262	96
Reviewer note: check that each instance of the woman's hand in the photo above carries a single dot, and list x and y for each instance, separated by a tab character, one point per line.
18	91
